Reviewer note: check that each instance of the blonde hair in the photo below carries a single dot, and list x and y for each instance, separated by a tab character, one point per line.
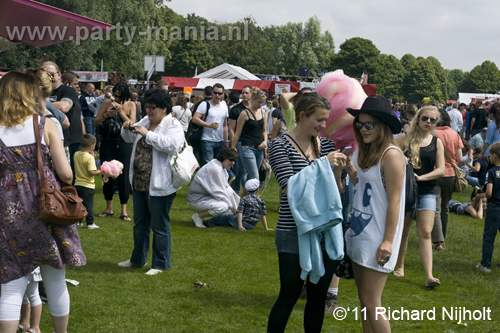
370	153
45	80
258	94
18	97
413	137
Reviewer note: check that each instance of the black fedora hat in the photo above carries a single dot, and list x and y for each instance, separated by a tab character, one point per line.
379	108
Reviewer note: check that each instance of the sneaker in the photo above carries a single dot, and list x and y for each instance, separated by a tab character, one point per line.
483	268
198	221
330	303
128	264
153	271
79	224
93	226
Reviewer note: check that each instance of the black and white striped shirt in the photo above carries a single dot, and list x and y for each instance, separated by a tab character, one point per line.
285	162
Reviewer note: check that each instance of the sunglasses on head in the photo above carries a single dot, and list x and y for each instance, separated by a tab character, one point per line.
425	118
369	125
218	93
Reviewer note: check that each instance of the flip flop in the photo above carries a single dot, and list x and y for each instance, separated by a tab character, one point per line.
432	284
104	214
125	218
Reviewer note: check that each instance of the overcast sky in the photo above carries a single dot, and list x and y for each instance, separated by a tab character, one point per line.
459	33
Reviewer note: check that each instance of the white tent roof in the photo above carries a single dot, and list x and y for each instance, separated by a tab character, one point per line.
227	71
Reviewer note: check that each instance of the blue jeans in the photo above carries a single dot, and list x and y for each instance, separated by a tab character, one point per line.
89	125
152	213
251	159
239	172
473	181
210	149
491	227
228	220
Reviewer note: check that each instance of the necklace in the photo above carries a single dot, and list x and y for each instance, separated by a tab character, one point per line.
300	147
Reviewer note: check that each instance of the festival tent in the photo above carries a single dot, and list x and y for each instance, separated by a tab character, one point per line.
41	25
196	83
227	71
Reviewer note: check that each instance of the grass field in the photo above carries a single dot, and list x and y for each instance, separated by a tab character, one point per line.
242	267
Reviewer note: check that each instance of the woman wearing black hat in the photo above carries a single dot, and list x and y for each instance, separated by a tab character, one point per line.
377	212
428	161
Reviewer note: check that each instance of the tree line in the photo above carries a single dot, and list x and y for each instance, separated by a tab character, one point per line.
274	50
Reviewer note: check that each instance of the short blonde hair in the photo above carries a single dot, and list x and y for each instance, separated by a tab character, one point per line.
18	96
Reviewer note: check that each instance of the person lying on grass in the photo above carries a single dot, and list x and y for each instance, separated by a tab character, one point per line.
251	210
475	208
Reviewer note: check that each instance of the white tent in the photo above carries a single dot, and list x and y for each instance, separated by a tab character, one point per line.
227	71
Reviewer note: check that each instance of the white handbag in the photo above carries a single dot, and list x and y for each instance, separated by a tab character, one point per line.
183	165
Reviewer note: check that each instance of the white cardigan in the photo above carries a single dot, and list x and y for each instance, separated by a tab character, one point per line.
167	139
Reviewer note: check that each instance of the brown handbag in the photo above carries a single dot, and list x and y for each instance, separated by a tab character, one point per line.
63	207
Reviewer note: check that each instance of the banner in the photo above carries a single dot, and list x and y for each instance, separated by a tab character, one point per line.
281	88
92	76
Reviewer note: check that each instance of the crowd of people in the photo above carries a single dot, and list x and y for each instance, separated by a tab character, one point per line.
240	129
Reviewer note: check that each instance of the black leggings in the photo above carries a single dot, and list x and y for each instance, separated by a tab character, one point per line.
117	149
290	289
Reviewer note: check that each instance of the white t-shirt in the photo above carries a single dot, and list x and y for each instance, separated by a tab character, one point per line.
215	114
182	116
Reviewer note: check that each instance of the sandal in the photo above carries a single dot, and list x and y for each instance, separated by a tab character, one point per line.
125	218
433	283
398	273
104	214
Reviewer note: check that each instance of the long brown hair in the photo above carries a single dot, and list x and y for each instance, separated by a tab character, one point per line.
369	154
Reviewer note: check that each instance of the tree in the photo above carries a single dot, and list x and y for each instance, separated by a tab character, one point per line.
422	81
390	80
357	55
485	77
454	78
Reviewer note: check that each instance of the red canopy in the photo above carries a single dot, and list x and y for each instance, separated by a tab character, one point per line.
180	82
38	24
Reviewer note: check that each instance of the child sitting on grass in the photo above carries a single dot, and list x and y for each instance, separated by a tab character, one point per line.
251	210
492	221
85	172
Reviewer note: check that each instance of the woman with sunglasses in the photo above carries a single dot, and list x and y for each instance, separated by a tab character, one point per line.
209	193
288	155
113	147
251	131
428	161
377	208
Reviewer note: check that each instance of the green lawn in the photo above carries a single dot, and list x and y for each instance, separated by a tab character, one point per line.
243	267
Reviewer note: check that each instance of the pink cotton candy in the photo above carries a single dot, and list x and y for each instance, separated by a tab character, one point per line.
111	169
342	92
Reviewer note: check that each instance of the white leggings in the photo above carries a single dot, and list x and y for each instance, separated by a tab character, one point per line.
55	285
32	296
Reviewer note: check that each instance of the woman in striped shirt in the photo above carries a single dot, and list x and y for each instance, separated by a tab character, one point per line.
288	155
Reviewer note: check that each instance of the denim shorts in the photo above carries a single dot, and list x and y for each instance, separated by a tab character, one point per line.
287	241
426	202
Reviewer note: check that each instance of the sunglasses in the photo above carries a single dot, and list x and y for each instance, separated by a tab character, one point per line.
232	160
368	125
218	93
425	118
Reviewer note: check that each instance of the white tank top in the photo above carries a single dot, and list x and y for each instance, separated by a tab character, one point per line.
19	135
368	218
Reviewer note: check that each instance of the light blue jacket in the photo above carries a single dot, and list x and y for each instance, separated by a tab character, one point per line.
317	210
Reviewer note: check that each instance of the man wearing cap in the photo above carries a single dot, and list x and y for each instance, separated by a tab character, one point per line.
477	140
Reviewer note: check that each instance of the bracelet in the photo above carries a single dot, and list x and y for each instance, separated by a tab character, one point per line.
348	166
